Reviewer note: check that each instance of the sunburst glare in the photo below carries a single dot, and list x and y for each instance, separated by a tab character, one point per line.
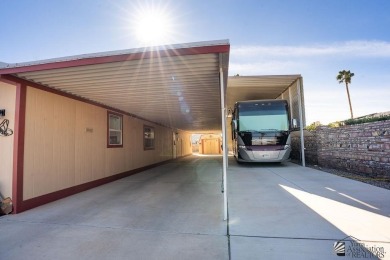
153	24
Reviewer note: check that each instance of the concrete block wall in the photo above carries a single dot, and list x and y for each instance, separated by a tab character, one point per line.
362	149
311	148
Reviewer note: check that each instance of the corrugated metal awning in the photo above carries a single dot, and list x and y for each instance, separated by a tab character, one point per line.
241	88
174	85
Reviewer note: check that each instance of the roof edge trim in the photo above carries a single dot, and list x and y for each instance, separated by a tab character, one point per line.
208	47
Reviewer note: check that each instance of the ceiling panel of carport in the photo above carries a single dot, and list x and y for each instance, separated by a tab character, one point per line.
180	91
241	88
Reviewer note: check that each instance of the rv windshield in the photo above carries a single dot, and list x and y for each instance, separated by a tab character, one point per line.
263	117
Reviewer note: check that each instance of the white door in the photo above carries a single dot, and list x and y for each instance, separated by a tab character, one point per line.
174	146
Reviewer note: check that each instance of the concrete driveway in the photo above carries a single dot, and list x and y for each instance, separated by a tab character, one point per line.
290	212
170	212
175	212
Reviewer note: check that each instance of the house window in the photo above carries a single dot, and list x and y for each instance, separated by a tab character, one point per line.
115	129
148	138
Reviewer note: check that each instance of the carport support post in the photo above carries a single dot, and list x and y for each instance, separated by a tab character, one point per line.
224	146
290	102
299	87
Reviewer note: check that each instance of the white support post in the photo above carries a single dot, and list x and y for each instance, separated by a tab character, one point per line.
290	105
224	146
299	87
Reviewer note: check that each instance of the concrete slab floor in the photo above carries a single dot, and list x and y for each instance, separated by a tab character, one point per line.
175	212
170	212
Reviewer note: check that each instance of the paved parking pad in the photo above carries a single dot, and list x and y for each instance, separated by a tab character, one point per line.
284	211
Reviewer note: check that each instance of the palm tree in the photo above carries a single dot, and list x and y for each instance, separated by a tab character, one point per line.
345	76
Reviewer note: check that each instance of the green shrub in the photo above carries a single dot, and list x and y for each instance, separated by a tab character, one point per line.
313	126
366	120
335	124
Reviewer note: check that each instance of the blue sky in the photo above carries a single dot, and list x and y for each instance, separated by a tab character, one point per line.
313	38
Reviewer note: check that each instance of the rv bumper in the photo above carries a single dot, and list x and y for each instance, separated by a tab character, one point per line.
246	155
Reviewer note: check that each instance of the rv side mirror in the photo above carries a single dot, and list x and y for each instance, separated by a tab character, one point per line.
294	124
234	122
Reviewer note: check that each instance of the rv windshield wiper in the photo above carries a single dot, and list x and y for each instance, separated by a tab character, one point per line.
274	130
261	131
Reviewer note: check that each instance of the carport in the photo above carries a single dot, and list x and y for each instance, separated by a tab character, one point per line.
182	87
288	87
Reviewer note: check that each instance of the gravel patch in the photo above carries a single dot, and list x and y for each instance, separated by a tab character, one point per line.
383	183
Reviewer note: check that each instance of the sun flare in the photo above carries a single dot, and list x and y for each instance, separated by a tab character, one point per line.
153	26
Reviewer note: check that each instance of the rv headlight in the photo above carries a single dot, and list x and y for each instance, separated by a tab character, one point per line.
286	146
242	146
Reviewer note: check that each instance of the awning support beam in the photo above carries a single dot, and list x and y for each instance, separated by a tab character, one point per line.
299	87
224	146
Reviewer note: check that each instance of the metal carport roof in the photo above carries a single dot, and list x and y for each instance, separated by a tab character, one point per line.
173	85
257	87
287	87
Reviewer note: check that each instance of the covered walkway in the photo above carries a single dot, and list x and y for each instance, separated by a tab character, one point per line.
175	212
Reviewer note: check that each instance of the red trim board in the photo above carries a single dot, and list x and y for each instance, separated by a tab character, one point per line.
118	58
18	155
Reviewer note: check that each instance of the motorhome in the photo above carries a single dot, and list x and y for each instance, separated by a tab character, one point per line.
261	131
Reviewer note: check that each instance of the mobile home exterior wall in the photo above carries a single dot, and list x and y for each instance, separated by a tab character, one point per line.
60	153
65	150
7	102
